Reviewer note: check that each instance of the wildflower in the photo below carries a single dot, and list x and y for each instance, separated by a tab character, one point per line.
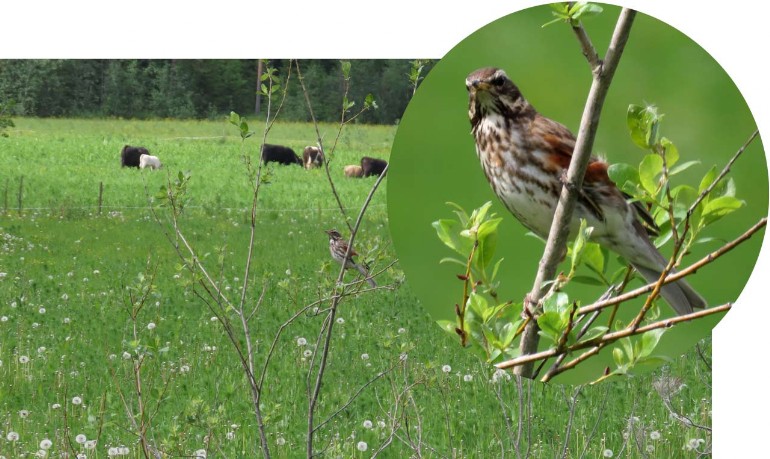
151	326
112	451
77	400
4	319
12	436
280	441
340	320
66	320
364	356
401	331
381	424
301	341
41	310
65	297
41	349
184	369
446	368
230	435
500	374
654	435
24	414
23	359
307	353
45	444
200	454
56	406
468	378
367	424
362	446
608	453
403	356
126	355
80	438
90	444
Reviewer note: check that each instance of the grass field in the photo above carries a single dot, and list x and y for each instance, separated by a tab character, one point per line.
68	342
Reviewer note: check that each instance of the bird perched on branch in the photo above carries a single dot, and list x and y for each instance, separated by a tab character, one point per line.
338	247
525	156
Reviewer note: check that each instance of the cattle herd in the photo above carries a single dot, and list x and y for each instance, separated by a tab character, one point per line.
312	157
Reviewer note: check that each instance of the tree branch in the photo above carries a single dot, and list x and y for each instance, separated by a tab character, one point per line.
557	238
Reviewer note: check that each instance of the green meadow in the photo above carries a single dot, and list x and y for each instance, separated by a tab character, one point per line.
395	385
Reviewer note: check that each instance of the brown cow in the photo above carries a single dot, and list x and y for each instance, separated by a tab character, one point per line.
373	166
312	157
353	170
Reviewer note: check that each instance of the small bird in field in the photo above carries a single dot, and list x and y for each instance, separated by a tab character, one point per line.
525	156
338	247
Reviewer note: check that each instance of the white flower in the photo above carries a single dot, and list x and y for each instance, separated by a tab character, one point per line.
364	356
307	353
24	414
151	326
90	444
96	271
403	356
340	320
301	341
45	444
381	424
41	310
80	438
367	424
81	456
23	359
124	451
280	441
446	368
608	453
288	272
65	297
184	369
4	319
126	355
214	318
41	453
401	330
41	349
77	400
55	406
230	435
468	378
112	451
12	436
66	320
500	374
200	454
362	446
654	435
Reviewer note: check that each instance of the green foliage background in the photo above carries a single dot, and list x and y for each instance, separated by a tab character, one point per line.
433	159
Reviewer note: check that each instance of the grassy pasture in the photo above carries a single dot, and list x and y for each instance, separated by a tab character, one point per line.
65	331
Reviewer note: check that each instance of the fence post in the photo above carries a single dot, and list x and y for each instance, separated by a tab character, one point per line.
21	192
101	192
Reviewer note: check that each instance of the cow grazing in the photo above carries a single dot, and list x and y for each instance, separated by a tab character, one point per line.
279	154
373	166
129	156
312	157
149	161
353	171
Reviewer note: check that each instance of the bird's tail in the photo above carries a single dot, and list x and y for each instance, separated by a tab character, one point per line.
365	273
680	295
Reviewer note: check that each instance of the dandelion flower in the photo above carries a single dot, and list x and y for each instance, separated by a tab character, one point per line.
4	319
608	453
46	444
301	341
446	368
55	406
364	356
367	424
381	424
340	320
41	310
230	435
307	353
24	414
200	454
126	355
12	436
23	359
280	441
362	446
80	438
77	400
468	378
401	331
90	444
151	326
654	435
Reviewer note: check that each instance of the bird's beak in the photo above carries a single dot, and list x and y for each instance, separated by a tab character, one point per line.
329	232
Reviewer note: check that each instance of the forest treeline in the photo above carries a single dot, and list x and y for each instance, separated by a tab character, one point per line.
188	88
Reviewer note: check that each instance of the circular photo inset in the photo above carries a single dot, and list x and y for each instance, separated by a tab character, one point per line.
676	184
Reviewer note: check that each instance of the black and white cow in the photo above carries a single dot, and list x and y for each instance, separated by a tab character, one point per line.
312	157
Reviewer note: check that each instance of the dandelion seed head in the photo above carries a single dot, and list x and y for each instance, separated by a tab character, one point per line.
362	446
446	368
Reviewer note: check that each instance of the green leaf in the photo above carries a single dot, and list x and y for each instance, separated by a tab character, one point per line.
588	280
235	119
478	304
707	179
623	173
682	167
595	332
345	69
671	152
649	341
649	168
451	260
617	356
643	125
585	10
593	257
719	207
551	325
558	303
449	233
